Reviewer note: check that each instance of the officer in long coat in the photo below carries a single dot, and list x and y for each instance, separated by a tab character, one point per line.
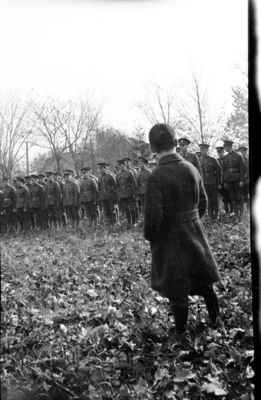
182	262
211	173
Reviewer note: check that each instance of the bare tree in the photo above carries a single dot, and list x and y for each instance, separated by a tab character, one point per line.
82	123
194	110
160	107
67	127
13	134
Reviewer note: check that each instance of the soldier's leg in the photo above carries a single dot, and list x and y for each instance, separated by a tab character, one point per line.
211	301
179	305
128	211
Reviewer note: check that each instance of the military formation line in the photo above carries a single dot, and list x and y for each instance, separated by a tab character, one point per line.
116	194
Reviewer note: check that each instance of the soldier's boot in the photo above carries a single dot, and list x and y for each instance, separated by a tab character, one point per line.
211	301
179	308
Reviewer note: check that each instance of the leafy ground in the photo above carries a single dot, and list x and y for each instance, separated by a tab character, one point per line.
79	321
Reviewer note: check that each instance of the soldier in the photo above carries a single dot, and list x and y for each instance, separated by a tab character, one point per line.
134	171
52	199
37	202
8	205
223	192
143	176
245	189
233	177
126	189
211	173
22	203
184	142
71	198
107	193
89	195
182	261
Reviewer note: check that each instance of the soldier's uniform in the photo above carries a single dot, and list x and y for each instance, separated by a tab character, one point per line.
22	204
222	190
245	188
211	173
108	194
37	203
52	200
135	202
142	180
89	195
71	198
233	177
187	155
8	206
126	189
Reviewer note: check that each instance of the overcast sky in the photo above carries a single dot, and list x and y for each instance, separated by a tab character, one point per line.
117	49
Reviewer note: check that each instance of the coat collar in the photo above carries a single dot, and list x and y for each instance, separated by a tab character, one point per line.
170	158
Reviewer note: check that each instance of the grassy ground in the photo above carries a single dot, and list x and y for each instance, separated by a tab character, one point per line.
79	321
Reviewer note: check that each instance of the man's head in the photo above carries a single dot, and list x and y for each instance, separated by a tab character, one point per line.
162	138
242	150
228	145
204	149
49	176
183	142
86	171
102	167
67	174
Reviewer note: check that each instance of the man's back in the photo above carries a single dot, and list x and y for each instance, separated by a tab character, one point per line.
174	187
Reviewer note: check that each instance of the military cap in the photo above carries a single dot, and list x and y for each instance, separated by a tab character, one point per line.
127	159
206	145
121	161
184	139
227	140
68	172
48	173
28	177
219	145
87	168
102	164
41	176
242	147
20	179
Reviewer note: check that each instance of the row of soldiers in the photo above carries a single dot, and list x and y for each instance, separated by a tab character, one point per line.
225	177
50	200
117	194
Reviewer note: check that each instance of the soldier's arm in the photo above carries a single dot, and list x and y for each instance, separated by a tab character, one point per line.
153	213
58	192
203	198
219	171
196	163
13	195
27	197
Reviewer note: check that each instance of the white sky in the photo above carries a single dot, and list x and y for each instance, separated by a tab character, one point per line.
117	49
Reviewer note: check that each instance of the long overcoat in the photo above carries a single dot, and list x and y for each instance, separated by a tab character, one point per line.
175	200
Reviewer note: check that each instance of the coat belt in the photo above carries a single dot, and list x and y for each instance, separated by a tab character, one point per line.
185	216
